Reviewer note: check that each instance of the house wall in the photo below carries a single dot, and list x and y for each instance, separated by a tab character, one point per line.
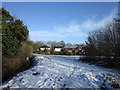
57	49
42	49
47	48
70	51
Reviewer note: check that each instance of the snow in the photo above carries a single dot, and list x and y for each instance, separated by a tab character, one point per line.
62	72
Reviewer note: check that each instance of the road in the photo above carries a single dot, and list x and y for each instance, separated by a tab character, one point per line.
64	72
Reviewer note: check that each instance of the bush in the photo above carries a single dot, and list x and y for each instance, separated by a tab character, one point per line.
11	66
56	53
25	51
16	48
108	62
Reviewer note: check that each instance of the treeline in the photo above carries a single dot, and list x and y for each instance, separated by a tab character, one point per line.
105	41
16	48
103	45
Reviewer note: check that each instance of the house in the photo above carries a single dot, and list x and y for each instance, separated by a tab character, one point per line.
80	49
69	49
44	48
58	49
73	49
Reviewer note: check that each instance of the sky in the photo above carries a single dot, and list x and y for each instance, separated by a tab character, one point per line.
57	21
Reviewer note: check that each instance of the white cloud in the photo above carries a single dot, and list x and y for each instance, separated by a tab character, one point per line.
91	23
73	29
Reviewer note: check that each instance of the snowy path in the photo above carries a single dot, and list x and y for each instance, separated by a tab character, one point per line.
63	72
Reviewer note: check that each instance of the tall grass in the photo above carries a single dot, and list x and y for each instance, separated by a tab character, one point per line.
11	66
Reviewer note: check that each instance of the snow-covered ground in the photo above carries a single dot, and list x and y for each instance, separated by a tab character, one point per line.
63	72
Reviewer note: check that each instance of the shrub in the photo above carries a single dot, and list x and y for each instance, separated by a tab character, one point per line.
11	66
15	45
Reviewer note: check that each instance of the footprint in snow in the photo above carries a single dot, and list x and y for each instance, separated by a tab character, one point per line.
35	73
61	77
20	79
101	78
64	85
58	79
53	86
50	79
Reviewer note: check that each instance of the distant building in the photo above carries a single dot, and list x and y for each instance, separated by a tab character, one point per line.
44	48
58	49
69	49
80	49
72	49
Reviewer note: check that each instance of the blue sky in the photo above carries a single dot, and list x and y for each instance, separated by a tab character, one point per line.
67	21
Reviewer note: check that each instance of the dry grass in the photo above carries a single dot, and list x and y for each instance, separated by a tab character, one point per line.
11	66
